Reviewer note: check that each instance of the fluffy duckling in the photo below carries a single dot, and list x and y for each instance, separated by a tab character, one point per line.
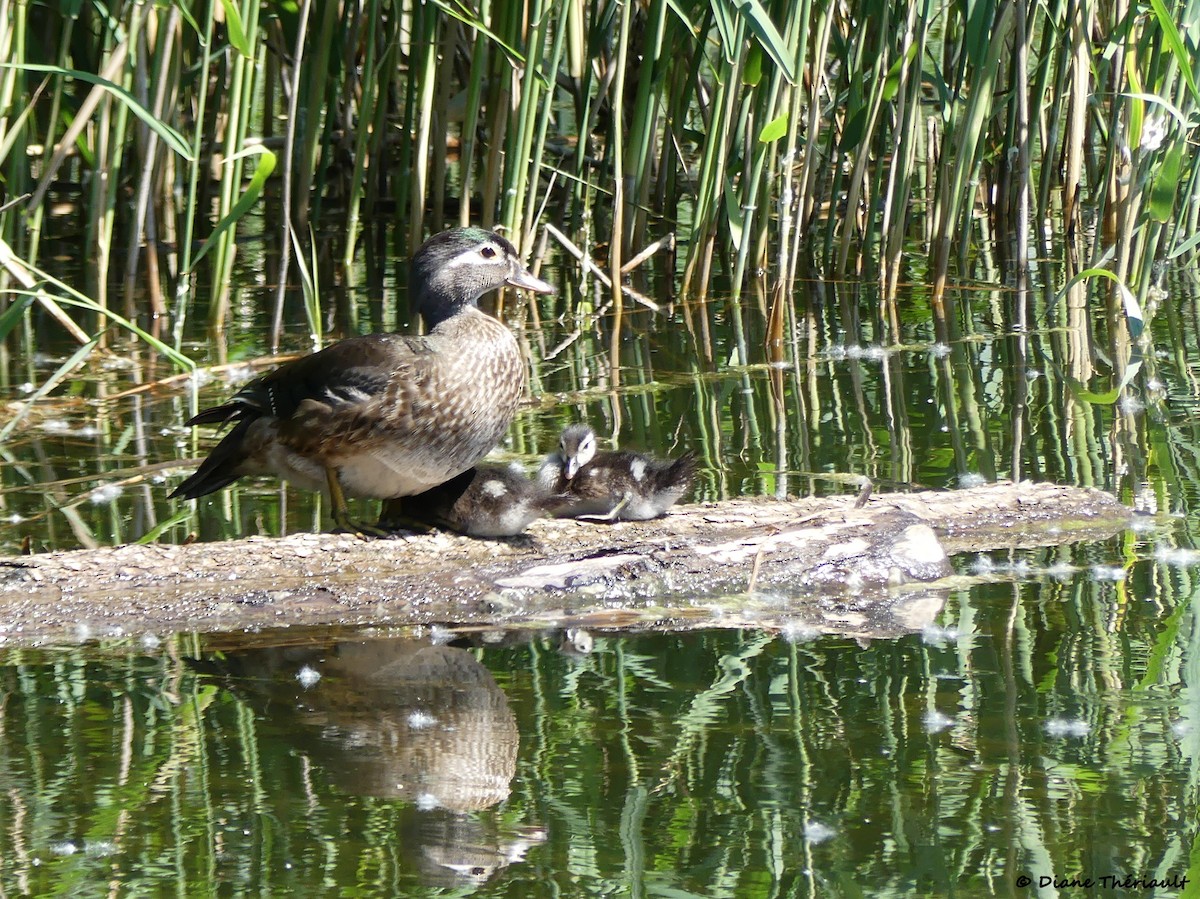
485	501
613	485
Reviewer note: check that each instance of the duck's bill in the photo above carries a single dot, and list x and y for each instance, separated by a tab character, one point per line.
521	277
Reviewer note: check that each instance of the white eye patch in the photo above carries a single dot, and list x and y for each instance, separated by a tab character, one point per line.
485	254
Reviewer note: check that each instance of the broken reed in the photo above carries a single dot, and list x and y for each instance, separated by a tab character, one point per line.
769	135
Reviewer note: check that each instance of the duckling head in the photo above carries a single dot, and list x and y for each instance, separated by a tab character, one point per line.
578	447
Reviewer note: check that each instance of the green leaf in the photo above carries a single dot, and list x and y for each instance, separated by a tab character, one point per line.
266	165
1134	317
308	281
733	213
774	129
69	296
1176	113
190	20
1186	246
169	135
752	71
12	315
891	84
236	29
182	362
855	128
1183	58
768	35
680	14
725	29
48	385
1166	182
1133	309
16	130
473	21
1137	108
152	535
1109	397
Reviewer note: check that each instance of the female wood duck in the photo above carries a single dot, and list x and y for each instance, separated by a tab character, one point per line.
486	501
386	415
613	486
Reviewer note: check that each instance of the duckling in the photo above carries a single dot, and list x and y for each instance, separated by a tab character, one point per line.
486	501
613	485
386	415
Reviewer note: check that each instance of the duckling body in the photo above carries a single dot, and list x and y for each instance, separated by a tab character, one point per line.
386	415
486	501
613	485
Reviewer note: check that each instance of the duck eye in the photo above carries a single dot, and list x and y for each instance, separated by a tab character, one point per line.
487	252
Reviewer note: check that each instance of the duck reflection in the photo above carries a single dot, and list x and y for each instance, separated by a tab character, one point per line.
406	720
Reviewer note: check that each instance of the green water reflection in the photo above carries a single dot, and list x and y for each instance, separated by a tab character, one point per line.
87	471
858	389
1044	728
1050	728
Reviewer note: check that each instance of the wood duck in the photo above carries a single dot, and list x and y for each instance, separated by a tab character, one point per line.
614	485
486	501
386	415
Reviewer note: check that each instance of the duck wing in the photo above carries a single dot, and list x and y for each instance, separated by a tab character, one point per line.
350	372
307	400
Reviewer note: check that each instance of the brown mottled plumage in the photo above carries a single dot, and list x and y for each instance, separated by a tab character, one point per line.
387	415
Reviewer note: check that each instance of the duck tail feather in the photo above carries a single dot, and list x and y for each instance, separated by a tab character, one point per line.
222	467
219	415
680	472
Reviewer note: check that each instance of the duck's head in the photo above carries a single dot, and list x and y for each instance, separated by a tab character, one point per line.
577	446
454	269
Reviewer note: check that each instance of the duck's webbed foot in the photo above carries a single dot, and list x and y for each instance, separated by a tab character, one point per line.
343	524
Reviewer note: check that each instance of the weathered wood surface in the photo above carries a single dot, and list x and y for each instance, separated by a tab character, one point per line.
765	554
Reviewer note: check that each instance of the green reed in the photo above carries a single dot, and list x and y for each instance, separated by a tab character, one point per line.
772	138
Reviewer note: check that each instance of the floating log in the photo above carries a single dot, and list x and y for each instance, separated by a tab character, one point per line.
816	563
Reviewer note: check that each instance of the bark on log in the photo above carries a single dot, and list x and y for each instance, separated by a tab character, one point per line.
811	563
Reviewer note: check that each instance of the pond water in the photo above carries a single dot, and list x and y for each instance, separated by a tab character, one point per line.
1035	731
1039	730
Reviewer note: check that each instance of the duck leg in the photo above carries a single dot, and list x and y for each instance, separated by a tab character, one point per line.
391	512
612	514
341	513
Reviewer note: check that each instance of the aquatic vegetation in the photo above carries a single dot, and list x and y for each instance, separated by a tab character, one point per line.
768	137
1001	195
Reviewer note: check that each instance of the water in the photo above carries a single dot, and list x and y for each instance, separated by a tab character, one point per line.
1047	726
86	472
1020	736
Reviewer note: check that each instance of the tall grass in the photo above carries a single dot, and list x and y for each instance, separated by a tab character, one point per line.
766	135
1047	147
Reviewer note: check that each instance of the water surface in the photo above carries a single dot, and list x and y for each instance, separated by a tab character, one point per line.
1046	726
1042	729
